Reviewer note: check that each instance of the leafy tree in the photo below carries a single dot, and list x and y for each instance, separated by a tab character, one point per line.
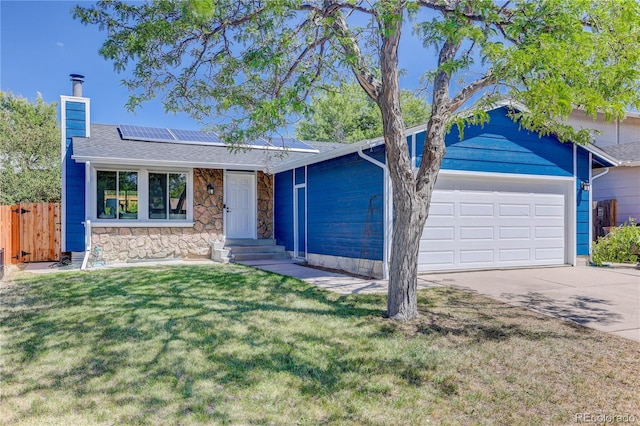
347	114
29	150
258	61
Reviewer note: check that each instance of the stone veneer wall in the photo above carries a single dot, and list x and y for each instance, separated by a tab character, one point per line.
122	244
265	205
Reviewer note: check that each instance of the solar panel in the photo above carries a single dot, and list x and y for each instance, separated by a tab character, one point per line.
260	143
145	133
155	134
196	136
292	144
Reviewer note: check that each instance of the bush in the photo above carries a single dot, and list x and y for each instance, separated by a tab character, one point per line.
621	245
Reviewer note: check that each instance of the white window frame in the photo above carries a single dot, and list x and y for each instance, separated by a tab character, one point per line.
143	198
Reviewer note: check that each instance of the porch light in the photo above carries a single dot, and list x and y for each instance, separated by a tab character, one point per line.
210	189
585	186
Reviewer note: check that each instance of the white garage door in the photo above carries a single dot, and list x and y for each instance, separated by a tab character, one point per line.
470	229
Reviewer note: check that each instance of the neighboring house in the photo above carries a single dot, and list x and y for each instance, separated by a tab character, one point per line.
621	140
505	197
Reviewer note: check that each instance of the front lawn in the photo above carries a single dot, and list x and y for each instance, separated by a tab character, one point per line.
228	344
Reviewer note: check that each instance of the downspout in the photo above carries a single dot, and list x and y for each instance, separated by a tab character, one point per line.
87	250
87	222
599	175
387	212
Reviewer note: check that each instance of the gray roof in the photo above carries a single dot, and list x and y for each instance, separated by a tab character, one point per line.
625	152
106	146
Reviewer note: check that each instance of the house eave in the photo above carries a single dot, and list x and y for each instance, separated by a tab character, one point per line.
328	155
602	155
165	163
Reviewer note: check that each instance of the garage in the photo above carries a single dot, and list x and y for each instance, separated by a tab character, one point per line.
504	198
482	221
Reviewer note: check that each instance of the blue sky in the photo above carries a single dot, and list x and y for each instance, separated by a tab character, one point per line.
41	44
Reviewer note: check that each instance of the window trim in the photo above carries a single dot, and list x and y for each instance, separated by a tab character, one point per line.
143	220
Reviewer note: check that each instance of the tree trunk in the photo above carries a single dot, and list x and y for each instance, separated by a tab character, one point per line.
411	202
411	191
407	208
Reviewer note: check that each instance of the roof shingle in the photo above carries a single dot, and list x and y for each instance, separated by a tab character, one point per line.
625	152
105	145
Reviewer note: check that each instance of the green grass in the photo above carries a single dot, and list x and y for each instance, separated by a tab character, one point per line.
231	345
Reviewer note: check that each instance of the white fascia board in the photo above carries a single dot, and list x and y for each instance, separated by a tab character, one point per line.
163	163
328	155
593	149
508	176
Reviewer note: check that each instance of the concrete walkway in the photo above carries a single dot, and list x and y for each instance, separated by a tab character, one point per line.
606	299
333	281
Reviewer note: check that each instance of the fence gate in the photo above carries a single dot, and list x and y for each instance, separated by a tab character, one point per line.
31	232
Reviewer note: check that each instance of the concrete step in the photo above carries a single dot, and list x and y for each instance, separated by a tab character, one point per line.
244	242
255	249
246	249
240	257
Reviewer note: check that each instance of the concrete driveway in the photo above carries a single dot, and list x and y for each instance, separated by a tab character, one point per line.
607	299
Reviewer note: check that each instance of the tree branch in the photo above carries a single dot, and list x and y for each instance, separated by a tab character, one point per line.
349	44
336	6
442	80
310	47
467	93
447	7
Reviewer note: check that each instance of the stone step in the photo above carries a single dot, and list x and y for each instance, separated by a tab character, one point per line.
235	242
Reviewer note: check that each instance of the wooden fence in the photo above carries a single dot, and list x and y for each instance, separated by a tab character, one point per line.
604	217
30	232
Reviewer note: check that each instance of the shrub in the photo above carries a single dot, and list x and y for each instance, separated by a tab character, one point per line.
621	245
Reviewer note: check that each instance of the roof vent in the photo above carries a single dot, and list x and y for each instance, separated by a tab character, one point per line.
76	84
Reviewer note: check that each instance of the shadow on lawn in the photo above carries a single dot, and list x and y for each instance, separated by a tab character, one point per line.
122	334
578	309
465	314
179	343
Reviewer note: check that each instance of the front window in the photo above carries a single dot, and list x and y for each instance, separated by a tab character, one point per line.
117	195
168	196
143	196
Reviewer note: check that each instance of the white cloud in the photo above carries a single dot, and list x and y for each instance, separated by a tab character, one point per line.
59	44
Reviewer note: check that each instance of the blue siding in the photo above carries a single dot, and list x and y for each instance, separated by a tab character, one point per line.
420	139
501	146
283	209
345	194
75	125
345	207
300	177
583	209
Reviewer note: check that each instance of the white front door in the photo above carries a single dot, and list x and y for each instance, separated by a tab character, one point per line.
240	202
